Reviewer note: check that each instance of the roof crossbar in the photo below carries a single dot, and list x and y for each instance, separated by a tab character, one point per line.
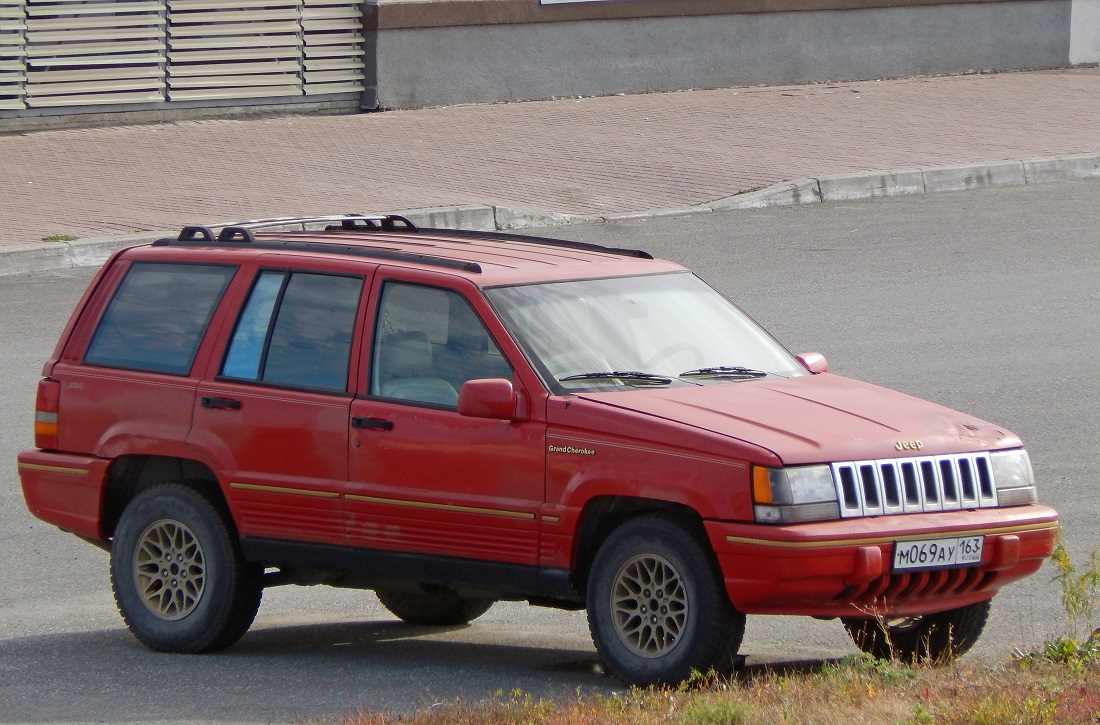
335	222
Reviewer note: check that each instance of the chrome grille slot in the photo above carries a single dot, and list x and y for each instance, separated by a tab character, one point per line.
930	480
872	501
914	485
949	483
844	476
988	492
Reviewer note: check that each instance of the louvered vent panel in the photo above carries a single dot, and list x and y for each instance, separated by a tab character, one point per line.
82	53
56	53
13	76
242	49
333	60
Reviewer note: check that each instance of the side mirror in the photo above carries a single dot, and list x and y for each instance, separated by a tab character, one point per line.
815	362
489	398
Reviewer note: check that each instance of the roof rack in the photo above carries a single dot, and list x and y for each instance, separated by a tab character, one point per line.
242	231
242	234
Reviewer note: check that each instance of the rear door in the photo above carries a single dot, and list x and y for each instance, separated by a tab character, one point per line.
274	413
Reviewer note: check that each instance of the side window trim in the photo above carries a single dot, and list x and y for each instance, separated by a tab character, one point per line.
286	276
431	396
92	357
284	273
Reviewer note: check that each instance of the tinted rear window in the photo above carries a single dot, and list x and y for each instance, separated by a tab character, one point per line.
158	316
296	330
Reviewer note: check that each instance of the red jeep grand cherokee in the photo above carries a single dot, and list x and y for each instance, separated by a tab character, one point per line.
450	418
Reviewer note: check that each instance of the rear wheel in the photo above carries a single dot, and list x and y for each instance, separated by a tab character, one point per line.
434	605
657	606
935	638
180	580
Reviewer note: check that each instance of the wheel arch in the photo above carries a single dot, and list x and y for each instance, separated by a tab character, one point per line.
602	515
130	475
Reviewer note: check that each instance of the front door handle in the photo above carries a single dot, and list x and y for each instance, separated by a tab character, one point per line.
371	423
221	403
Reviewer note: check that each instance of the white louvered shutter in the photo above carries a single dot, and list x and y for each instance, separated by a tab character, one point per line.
333	60
81	53
13	71
249	51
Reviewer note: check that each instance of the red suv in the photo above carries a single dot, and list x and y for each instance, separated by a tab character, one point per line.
451	418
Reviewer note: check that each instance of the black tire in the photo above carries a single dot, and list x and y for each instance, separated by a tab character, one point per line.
433	605
934	638
201	600
657	605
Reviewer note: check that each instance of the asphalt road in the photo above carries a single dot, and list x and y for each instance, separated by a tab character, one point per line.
986	301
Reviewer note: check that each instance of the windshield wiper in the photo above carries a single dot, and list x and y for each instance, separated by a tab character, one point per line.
724	371
632	376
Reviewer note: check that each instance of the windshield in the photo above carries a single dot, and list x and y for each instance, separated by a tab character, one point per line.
619	333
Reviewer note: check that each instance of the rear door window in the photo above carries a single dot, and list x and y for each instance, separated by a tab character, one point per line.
158	317
296	330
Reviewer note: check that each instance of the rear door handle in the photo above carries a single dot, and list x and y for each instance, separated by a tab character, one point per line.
221	403
371	423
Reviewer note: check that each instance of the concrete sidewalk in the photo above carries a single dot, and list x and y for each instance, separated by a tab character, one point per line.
545	163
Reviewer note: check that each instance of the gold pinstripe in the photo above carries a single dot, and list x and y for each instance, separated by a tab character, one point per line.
53	469
442	507
284	489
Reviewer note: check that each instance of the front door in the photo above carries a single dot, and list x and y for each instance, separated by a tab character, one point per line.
423	478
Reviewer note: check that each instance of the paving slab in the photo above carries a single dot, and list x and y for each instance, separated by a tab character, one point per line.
546	163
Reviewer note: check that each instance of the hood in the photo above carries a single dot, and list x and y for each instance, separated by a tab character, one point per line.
816	418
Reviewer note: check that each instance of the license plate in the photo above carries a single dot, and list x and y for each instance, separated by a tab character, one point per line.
938	553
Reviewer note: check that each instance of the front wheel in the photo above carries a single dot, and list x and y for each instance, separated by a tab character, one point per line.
657	606
433	605
180	580
935	638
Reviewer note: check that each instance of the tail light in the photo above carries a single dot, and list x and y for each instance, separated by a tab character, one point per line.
45	414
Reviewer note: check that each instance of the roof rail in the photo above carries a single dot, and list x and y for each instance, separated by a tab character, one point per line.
241	234
546	241
397	223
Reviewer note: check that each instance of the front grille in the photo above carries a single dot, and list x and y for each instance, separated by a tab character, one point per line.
914	485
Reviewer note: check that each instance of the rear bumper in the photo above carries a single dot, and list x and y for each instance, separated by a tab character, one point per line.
64	490
843	568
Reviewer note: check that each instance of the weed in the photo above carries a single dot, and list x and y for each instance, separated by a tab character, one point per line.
921	716
1080	597
1080	588
59	238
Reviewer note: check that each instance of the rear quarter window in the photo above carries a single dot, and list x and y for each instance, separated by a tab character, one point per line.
158	316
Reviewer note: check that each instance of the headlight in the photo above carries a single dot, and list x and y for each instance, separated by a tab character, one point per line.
1014	478
794	495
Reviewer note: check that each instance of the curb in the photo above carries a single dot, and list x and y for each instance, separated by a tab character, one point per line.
844	187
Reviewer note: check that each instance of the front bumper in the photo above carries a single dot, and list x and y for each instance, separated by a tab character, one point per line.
843	568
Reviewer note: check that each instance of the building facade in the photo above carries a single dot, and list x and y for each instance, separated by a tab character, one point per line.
67	62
